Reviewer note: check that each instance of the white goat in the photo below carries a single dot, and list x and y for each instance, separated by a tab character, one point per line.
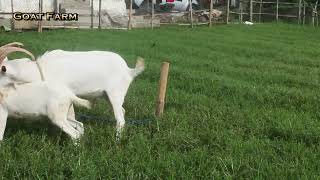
91	73
41	99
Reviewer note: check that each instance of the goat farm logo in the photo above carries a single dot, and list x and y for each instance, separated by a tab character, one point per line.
47	16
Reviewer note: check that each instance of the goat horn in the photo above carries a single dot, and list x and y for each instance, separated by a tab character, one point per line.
9	50
13	44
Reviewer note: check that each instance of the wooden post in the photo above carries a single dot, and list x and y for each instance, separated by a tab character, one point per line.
299	12
152	12
99	14
239	15
251	11
55	6
304	13
228	12
162	88
130	16
241	11
314	12
277	11
12	19
40	11
191	13
260	11
317	19
210	15
91	26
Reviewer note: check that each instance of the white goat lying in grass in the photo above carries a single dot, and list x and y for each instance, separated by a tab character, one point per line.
91	73
36	99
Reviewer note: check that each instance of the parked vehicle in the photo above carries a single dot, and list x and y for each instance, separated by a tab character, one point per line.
177	5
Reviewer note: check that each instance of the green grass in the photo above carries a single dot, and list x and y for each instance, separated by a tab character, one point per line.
242	102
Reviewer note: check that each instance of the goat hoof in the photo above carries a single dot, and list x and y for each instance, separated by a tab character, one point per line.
76	142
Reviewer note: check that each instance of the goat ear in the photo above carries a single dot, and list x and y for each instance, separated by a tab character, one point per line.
3	69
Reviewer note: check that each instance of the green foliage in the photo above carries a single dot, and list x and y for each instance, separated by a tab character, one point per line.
242	102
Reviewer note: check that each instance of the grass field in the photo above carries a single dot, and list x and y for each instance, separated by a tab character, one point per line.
242	102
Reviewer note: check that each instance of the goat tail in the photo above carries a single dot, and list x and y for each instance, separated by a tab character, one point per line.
81	102
139	67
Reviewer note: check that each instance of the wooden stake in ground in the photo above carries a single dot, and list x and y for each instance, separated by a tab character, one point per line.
130	16
40	11
228	11
162	88
191	13
210	15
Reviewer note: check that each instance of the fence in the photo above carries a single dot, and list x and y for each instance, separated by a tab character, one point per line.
150	15
92	13
33	6
301	12
181	14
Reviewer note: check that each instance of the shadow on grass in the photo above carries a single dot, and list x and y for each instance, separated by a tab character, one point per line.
292	136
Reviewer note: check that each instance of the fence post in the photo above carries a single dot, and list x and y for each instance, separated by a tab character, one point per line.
304	13
191	13
12	19
251	11
317	16
91	25
162	88
40	11
152	13
299	12
241	11
99	14
277	11
228	11
55	6
312	18
210	15
314	12
130	16
260	11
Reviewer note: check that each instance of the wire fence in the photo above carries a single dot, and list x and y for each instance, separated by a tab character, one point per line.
265	11
154	13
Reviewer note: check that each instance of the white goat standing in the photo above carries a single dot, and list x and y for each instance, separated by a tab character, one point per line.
39	99
91	73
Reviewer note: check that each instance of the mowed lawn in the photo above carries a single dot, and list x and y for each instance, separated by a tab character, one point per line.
242	102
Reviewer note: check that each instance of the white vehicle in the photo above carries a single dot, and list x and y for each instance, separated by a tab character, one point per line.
179	5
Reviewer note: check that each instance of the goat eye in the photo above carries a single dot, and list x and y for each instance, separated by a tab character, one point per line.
3	69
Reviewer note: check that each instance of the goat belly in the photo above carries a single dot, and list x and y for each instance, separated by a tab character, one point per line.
25	110
29	116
